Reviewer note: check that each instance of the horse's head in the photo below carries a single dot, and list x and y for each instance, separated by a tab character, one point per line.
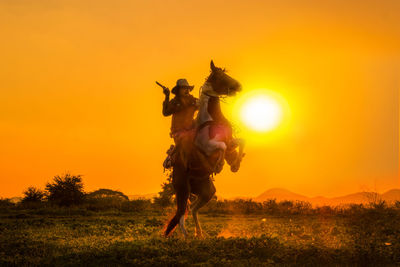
222	84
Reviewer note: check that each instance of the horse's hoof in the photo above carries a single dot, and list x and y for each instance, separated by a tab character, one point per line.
235	166
218	169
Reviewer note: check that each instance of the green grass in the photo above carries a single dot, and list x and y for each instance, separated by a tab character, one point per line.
74	237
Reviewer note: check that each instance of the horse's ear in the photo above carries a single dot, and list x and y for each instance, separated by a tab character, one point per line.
212	65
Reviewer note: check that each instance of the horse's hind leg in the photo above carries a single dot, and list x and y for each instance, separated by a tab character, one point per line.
179	218
181	211
206	191
182	189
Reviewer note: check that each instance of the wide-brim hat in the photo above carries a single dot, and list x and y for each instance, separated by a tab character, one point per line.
181	83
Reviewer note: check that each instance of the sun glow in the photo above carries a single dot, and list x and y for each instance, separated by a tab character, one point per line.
260	116
261	113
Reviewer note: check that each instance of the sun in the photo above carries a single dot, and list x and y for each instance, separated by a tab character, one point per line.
260	116
260	111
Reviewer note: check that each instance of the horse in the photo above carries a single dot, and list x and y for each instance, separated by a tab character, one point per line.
211	144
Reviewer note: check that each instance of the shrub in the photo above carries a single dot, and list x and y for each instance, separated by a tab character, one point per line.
6	203
107	193
137	205
33	194
103	199
66	190
166	195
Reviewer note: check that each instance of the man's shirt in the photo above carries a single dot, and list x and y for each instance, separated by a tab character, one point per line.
182	112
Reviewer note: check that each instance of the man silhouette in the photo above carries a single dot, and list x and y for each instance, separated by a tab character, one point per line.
182	108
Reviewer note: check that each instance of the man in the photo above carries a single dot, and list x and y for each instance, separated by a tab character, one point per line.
182	108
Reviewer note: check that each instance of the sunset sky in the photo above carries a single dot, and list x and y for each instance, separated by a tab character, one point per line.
78	92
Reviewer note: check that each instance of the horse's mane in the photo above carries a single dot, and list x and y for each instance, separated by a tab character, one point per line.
211	72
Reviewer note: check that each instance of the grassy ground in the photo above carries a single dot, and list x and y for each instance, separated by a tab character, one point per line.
114	238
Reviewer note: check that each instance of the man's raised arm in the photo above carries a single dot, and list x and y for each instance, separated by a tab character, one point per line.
167	108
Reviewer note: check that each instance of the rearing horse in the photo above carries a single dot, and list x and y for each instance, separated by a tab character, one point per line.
212	144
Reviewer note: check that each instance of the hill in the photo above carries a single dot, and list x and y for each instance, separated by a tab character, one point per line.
391	195
357	198
279	194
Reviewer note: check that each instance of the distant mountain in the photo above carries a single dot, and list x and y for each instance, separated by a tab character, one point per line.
144	196
357	198
279	194
391	195
360	197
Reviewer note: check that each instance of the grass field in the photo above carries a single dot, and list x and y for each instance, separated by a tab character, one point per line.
79	237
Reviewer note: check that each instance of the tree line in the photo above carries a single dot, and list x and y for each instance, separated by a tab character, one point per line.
68	191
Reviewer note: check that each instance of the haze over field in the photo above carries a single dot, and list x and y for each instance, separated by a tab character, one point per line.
78	93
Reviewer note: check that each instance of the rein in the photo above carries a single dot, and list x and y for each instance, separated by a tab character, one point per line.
235	128
221	97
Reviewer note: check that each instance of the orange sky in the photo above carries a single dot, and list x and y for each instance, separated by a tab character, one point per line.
78	93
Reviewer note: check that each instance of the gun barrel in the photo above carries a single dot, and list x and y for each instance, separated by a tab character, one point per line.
159	84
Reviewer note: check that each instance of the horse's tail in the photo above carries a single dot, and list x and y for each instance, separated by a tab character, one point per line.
172	224
182	200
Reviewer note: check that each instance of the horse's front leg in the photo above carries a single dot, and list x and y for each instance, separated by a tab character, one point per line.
207	145
210	146
234	158
241	143
219	164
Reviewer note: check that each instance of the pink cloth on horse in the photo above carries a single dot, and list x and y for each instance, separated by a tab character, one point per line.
224	131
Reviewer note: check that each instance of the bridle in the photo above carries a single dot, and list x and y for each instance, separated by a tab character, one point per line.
222	97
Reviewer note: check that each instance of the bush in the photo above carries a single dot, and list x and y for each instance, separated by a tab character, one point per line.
107	193
103	199
33	194
137	205
6	203
165	197
66	190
